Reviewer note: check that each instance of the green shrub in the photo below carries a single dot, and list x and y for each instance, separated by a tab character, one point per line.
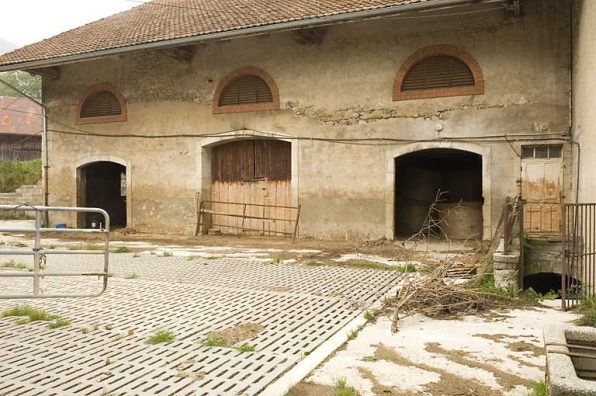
538	388
16	174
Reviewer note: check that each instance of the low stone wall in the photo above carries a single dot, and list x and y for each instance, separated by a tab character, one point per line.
543	256
506	267
28	195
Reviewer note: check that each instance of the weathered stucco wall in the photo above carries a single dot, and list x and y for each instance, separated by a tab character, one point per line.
584	86
339	89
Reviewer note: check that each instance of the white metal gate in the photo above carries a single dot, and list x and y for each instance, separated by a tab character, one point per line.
38	252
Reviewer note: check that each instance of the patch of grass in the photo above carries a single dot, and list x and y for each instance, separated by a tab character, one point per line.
84	330
275	260
588	310
211	258
12	264
189	258
108	361
161	336
342	388
371	315
110	275
108	327
336	294
406	269
135	256
167	254
538	388
51	247
17	174
95	327
7	234
376	266
59	322
532	295
131	276
313	263
120	249
20	244
245	348
354	333
86	247
27	314
215	340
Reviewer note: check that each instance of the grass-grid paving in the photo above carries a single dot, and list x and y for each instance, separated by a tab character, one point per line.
112	354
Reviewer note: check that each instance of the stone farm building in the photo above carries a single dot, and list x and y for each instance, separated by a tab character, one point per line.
359	111
20	130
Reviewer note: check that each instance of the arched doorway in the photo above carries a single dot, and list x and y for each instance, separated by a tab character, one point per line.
256	172
450	177
102	185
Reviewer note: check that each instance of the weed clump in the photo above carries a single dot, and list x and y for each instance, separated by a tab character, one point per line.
27	314
161	336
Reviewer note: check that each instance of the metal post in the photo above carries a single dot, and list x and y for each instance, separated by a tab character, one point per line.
36	254
296	225
243	217
522	240
564	258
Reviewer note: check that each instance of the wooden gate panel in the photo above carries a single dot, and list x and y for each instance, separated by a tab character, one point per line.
256	172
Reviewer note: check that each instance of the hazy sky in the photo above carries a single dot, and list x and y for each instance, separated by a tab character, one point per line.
27	21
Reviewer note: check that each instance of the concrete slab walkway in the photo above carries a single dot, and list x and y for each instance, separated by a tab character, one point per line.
103	350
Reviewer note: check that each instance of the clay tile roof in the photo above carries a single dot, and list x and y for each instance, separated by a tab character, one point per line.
161	20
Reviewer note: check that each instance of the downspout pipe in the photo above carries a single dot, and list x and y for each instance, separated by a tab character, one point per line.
44	138
251	31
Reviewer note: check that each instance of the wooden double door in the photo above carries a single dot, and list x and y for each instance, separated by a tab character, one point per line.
255	172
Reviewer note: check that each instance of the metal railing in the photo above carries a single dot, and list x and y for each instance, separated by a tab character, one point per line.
203	210
39	253
578	270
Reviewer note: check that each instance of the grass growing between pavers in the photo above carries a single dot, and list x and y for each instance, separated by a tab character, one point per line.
59	322
402	269
131	276
120	249
245	348
343	389
161	336
538	388
29	314
13	265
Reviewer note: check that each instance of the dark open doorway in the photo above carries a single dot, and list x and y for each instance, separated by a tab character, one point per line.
103	185
418	178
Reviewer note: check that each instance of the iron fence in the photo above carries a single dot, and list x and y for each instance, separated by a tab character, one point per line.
578	267
39	253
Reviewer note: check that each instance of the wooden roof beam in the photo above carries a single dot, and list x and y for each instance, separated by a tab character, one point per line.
181	54
314	35
48	72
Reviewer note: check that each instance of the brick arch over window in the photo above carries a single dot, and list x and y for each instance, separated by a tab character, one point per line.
438	51
237	74
101	103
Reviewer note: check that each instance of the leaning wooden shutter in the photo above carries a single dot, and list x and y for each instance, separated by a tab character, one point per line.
438	72
101	104
246	90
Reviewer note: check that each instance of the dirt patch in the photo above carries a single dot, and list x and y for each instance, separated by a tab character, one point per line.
239	333
506	380
522	346
308	389
449	385
379	389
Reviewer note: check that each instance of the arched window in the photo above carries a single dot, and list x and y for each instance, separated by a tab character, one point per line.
246	89
101	103
438	71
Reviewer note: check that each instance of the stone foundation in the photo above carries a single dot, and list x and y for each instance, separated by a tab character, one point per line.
506	267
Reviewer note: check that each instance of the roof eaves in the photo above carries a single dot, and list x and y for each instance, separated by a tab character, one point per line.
233	33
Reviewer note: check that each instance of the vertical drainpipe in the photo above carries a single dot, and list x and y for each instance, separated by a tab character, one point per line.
46	166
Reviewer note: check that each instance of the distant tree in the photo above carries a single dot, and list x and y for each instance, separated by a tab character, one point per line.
29	84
